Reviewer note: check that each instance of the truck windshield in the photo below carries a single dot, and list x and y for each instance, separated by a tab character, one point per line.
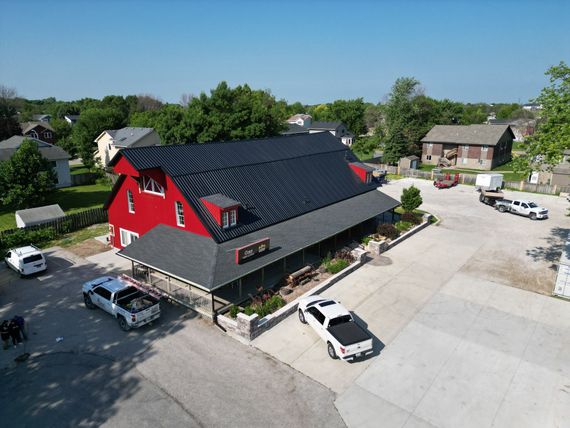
340	320
532	205
31	259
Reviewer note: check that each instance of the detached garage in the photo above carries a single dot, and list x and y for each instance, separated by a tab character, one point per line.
39	215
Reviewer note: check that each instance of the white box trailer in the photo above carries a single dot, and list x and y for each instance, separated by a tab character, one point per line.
492	182
562	284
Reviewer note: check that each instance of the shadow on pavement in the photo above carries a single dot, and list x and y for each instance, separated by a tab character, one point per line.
377	344
555	244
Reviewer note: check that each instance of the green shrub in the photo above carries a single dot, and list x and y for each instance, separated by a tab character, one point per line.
248	310
403	226
26	237
366	240
234	311
388	230
411	199
337	266
267	307
411	218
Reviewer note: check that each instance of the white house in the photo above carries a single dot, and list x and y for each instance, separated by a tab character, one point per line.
113	140
301	120
58	157
303	123
71	118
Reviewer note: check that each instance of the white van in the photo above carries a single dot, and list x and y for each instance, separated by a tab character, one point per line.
26	260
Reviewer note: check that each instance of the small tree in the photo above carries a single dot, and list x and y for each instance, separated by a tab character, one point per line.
411	199
26	178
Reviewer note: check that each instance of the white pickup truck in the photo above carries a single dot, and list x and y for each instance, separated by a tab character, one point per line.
130	306
524	208
334	324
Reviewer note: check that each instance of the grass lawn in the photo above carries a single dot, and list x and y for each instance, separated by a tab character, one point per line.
78	236
427	167
78	169
519	145
70	199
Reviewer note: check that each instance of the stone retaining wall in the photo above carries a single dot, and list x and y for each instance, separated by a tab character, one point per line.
249	327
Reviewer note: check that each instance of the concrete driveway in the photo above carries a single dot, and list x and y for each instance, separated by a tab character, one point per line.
181	371
459	340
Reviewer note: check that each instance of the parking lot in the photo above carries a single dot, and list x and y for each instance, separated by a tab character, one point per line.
459	341
181	371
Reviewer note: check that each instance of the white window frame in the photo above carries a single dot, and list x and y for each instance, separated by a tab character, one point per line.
130	201
233	217
428	157
430	144
111	230
150	185
484	148
33	134
464	161
225	219
179	211
128	234
47	134
466	147
481	161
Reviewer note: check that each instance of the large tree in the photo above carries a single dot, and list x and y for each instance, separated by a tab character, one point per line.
8	120
552	136
90	124
170	122
398	114
27	178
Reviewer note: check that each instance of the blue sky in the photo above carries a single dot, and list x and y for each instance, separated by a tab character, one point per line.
308	51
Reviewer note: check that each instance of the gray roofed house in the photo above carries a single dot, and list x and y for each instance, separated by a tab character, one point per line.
38	215
56	155
39	130
110	141
41	117
71	118
303	123
469	146
293	128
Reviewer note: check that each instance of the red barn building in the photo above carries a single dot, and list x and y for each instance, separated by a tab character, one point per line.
211	223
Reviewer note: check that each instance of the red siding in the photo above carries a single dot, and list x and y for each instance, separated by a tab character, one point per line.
359	171
124	167
215	210
150	209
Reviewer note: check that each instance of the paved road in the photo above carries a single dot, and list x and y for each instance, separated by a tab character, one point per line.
459	342
181	371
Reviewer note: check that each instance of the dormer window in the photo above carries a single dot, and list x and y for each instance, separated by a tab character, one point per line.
229	218
151	186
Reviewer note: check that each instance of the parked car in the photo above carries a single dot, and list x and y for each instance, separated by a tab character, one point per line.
130	306
333	323
26	260
525	208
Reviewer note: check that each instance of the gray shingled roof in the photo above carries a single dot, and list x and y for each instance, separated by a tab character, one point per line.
126	137
50	152
488	135
28	126
168	249
329	126
39	215
221	201
293	128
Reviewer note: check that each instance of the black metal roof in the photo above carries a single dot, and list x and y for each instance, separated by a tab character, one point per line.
274	179
169	249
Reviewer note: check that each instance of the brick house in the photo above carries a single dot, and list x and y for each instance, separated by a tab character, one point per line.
212	223
38	131
481	147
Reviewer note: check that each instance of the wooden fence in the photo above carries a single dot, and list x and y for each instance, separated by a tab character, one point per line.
522	186
84	178
69	223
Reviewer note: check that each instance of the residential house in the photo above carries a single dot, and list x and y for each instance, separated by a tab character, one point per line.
532	106
38	131
41	118
71	118
481	147
303	123
561	173
58	157
212	223
109	142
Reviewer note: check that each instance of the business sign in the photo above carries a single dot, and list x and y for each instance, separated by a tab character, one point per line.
248	251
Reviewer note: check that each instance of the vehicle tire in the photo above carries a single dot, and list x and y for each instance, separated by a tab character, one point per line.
123	323
532	216
481	198
302	317
502	209
88	303
331	351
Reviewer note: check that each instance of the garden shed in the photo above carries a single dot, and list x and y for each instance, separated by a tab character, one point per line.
410	162
39	215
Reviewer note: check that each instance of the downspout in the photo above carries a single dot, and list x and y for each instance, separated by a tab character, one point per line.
215	315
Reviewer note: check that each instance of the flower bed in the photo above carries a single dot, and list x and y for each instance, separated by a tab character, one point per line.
389	234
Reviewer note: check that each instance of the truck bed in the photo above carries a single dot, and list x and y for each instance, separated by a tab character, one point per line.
348	333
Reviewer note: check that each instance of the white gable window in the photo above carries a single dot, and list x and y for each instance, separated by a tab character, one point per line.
47	134
130	201
233	217
33	134
151	186
484	148
179	213
225	219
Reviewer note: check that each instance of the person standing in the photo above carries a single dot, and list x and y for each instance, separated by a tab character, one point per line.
14	329
21	323
5	333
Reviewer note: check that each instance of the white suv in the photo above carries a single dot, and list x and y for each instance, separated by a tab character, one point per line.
26	260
